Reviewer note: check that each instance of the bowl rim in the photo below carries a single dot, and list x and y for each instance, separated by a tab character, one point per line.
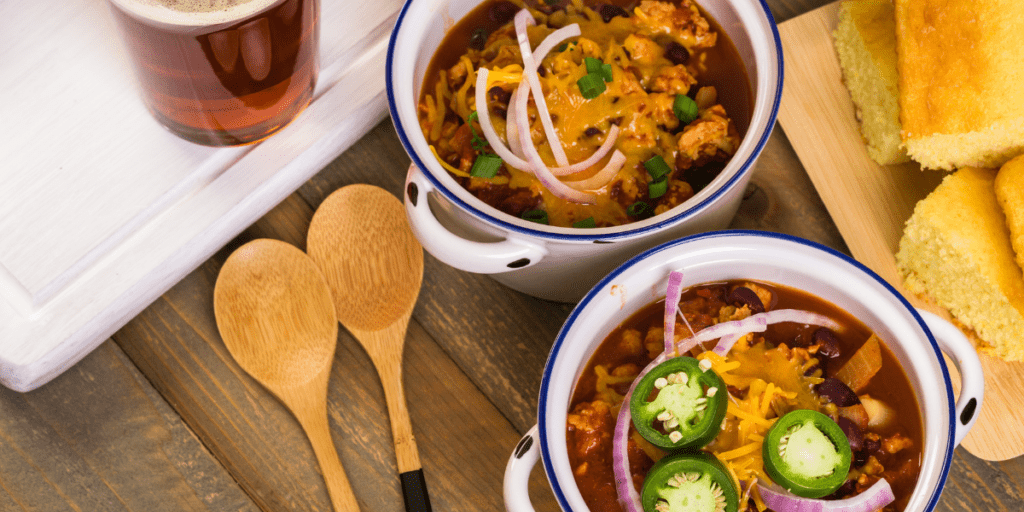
593	295
587	235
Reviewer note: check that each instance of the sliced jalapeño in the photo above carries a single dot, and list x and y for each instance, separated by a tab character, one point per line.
807	453
690	481
687	407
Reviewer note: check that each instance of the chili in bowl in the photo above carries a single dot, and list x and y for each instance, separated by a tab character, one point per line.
748	371
552	140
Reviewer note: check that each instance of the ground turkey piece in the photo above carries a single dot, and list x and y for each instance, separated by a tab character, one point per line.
712	137
678	192
514	201
684	24
590	428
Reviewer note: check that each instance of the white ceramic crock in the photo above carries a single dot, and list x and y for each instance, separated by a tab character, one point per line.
917	338
550	262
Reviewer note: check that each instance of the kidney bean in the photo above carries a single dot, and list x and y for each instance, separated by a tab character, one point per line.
860	457
676	53
478	39
822	365
608	11
829	343
498	94
837	392
853	433
872	445
502	12
746	296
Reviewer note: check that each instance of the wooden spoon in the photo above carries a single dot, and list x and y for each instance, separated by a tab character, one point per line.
361	240
275	313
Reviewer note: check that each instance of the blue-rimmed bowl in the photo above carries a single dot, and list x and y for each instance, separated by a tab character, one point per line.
551	262
917	339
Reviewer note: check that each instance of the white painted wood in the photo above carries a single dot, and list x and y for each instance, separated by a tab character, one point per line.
101	209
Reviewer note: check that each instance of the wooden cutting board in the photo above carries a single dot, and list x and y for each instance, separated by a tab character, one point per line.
870	203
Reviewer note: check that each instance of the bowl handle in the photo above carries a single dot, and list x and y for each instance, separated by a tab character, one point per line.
479	257
965	356
517	473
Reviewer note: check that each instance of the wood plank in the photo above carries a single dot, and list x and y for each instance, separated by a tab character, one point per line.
100	438
870	204
463	438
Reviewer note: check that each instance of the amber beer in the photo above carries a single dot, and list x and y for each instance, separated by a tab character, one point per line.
223	72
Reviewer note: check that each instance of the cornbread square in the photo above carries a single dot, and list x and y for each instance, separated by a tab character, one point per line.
1010	194
956	250
961	81
865	42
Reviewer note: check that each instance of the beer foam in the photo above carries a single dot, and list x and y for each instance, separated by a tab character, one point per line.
193	13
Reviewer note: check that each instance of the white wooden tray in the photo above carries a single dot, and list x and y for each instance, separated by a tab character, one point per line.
101	209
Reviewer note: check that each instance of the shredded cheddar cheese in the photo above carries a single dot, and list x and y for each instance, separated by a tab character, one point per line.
748	418
446	165
511	74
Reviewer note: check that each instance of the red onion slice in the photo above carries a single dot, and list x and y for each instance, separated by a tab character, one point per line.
874	498
511	131
555	38
604	176
725	344
541	171
755	323
629	499
522	20
673	292
484	115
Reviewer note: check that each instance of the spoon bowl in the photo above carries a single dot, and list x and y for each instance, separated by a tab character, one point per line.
360	238
276	316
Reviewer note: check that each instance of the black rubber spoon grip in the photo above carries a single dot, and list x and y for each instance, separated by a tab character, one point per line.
414	489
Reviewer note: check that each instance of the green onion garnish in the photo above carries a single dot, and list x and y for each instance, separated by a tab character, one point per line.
657	187
585	223
657	167
597	67
538	216
478	142
591	86
636	209
486	166
685	109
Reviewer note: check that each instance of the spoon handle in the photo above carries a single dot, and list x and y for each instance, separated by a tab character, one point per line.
319	433
414	490
414	486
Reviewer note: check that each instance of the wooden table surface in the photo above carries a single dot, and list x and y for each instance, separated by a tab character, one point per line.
160	418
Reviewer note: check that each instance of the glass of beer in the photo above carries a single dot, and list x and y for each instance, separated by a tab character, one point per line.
223	72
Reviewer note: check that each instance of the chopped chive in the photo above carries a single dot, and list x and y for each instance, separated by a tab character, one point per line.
684	108
538	216
657	167
657	187
478	142
565	46
636	209
591	86
486	166
597	67
585	223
